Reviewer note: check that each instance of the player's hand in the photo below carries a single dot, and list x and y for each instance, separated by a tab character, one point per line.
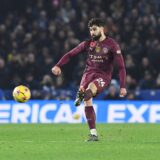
81	88
123	92
56	70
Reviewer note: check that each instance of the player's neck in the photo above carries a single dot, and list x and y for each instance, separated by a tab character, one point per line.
102	38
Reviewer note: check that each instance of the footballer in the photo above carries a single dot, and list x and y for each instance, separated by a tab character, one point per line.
102	52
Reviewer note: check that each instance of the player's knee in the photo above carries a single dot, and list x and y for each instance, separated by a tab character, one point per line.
88	94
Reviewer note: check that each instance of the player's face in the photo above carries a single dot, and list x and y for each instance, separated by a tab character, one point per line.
96	32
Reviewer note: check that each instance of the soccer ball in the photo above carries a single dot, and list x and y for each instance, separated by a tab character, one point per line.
21	94
76	116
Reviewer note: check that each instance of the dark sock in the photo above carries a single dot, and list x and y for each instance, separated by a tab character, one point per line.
91	116
88	94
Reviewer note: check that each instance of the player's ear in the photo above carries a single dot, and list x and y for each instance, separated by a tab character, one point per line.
105	29
102	28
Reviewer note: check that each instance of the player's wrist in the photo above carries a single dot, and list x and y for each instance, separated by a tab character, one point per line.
58	66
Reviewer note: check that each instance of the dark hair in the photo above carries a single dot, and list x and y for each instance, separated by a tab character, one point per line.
96	21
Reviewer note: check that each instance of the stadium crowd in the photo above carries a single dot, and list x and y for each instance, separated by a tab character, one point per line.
35	34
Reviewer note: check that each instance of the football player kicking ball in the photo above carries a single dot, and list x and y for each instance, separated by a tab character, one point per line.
102	52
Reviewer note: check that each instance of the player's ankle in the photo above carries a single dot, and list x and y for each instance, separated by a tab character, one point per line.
93	131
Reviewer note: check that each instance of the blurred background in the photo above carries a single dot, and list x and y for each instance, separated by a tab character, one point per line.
35	34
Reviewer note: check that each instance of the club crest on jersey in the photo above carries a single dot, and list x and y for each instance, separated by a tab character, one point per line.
98	49
105	50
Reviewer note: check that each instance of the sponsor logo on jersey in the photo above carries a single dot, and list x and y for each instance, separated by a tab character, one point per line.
98	49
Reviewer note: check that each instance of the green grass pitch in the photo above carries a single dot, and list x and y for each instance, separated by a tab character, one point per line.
67	142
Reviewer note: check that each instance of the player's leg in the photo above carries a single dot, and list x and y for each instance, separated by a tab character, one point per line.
89	111
86	79
95	87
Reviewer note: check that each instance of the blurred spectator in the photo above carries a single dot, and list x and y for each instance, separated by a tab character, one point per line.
131	96
147	82
112	94
64	95
157	85
146	67
3	74
131	83
48	88
2	96
131	67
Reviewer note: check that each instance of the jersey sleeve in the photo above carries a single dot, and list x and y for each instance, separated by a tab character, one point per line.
118	59
78	49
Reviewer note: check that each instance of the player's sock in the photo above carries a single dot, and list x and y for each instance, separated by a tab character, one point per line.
79	98
88	94
93	131
91	117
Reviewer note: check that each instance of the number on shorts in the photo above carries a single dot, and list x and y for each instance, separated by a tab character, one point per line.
101	82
